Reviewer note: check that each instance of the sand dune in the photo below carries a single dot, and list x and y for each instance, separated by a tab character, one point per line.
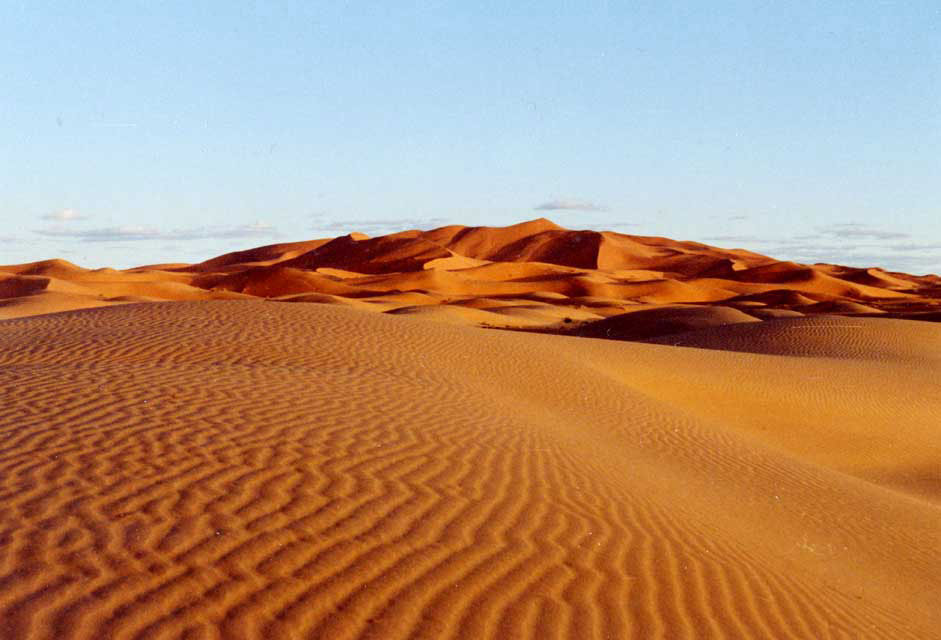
663	321
258	470
405	251
610	272
315	440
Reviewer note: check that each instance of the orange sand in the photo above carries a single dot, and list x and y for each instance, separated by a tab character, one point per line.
530	275
250	469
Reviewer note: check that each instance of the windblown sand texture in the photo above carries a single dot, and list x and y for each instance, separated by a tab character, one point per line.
756	468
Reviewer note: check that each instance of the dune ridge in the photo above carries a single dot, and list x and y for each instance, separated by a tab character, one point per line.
473	275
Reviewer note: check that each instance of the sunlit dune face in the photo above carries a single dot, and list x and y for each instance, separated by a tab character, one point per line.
444	272
249	469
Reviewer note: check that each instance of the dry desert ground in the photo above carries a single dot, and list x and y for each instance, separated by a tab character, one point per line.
470	432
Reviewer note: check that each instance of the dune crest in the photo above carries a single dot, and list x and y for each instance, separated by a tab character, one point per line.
594	276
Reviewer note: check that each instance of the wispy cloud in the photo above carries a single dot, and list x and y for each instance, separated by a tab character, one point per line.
604	226
569	204
914	247
861	231
910	258
142	233
854	244
377	225
64	215
733	238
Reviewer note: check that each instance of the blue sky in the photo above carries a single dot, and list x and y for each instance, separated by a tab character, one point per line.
152	132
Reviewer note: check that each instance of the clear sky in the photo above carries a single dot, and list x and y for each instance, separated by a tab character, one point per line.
140	132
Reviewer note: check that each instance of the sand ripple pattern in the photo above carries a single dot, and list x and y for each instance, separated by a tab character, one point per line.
262	470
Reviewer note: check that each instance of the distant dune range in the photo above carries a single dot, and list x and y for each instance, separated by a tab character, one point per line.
755	452
533	275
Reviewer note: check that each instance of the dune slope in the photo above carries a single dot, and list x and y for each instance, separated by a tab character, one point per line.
442	273
249	469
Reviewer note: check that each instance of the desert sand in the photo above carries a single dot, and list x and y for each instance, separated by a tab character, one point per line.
530	275
318	440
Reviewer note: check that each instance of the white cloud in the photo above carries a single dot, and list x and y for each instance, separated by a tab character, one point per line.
257	227
734	238
377	225
64	215
569	204
861	231
140	233
906	258
914	247
852	244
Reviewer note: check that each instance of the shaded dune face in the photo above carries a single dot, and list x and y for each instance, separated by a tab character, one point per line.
387	254
248	469
443	273
648	323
